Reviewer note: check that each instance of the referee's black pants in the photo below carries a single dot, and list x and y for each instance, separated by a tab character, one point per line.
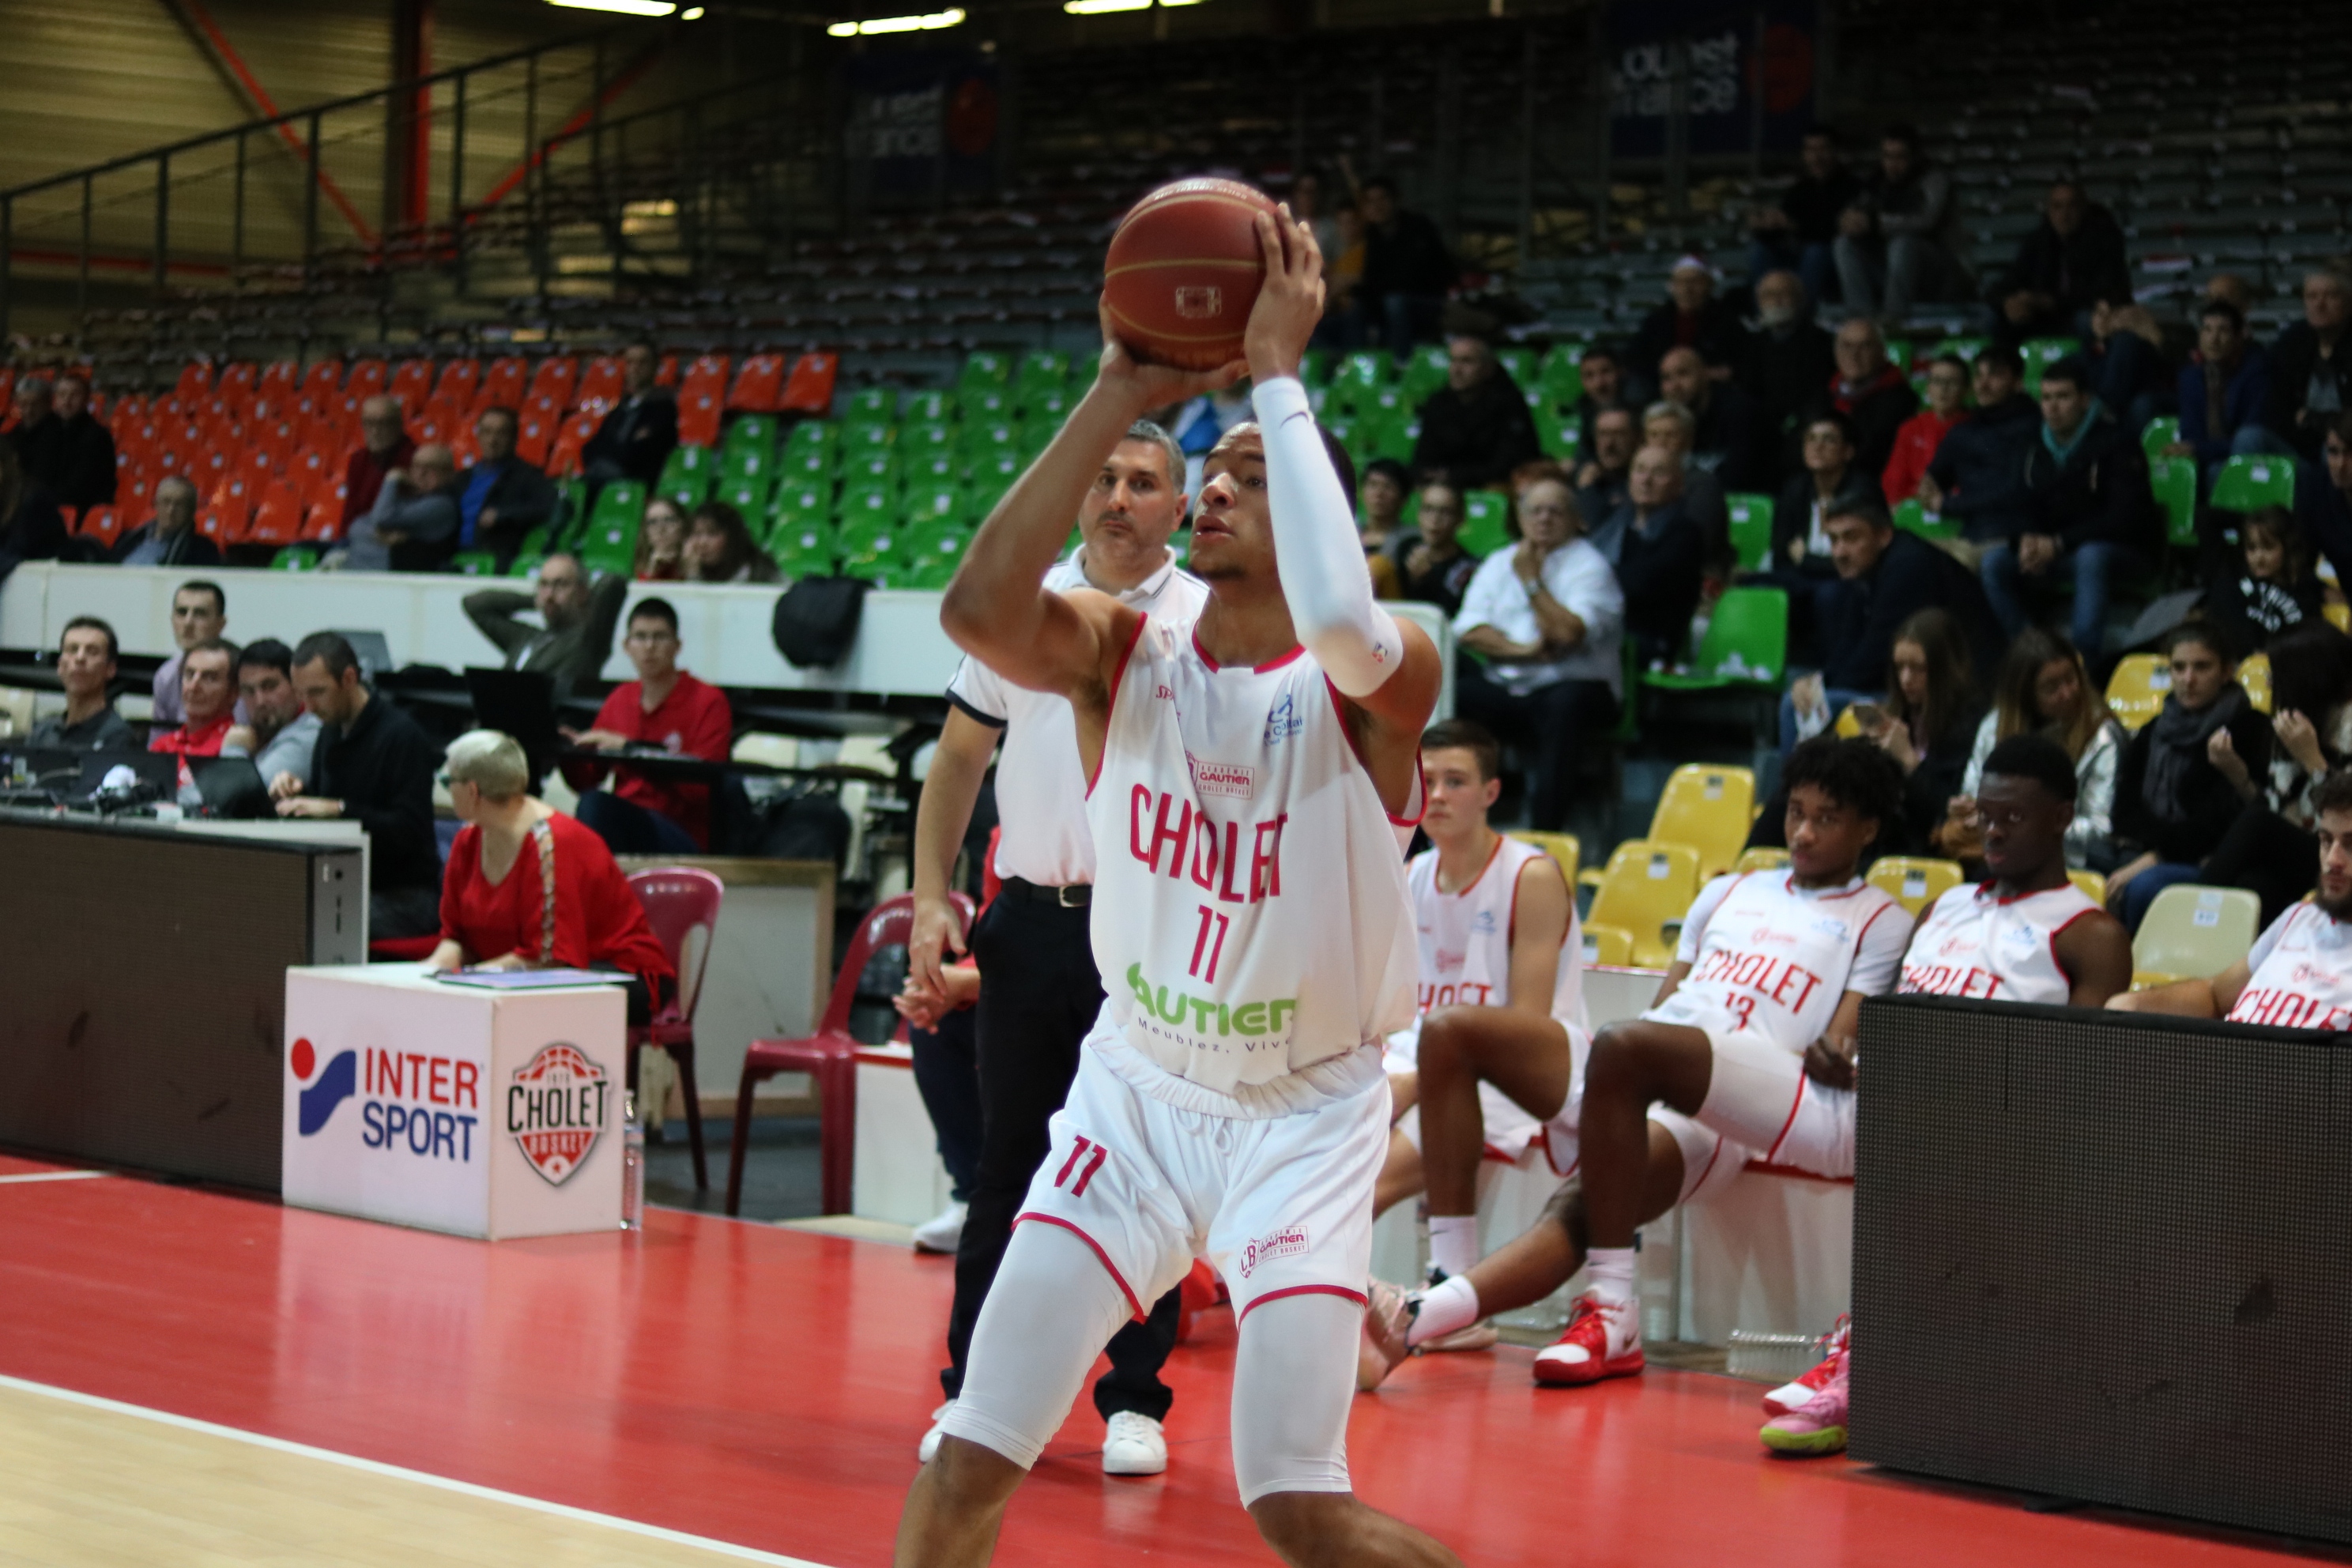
1039	995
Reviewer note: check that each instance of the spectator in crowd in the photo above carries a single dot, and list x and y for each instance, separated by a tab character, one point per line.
1477	428
1922	435
1546	615
1600	478
1691	317
277	731
207	698
2043	689
2173	803
1789	358
2126	352
1380	524
1884	576
86	670
718	548
38	434
414	525
385	448
2311	366
31	527
373	766
666	709
1928	721
2231	287
637	435
661	542
2269	848
1832	481
528	888
575	634
2073	261
501	497
170	537
2087	509
199	614
2323	500
2291	979
2273	588
2224	390
1724	419
1900	242
1977	478
1656	550
1307	205
1407	272
1600	381
1343	274
1800	231
1670	425
1870	391
86	468
1432	566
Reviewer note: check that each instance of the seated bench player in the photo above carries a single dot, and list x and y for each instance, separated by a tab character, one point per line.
2028	934
1746	1054
1496	936
2299	974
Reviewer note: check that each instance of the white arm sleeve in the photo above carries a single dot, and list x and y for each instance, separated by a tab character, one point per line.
1318	551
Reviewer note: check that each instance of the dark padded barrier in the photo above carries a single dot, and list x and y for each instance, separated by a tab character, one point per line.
2107	1257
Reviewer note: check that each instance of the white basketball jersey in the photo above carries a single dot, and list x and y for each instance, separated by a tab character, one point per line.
1977	943
1250	912
1465	936
2302	973
1770	958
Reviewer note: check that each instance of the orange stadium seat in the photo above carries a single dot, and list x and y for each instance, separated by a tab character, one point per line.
225	515
278	518
553	379
460	379
322	381
237	380
503	385
367	378
325	519
533	438
564	459
103	523
413	384
809	389
600	384
257	467
666	375
196	382
757	384
707	373
279	378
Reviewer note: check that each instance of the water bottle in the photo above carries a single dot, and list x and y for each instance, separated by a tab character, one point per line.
632	1168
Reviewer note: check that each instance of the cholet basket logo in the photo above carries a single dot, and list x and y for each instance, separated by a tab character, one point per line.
556	1109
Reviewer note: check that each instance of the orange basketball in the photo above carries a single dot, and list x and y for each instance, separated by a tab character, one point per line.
1184	272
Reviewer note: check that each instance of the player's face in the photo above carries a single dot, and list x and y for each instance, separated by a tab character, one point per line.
2024	827
2334	895
1135	501
1233	531
1826	836
1457	797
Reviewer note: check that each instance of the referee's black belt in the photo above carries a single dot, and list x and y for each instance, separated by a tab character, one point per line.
1075	896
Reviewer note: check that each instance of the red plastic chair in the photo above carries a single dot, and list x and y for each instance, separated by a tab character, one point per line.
413	384
758	383
600	385
678	900
829	1055
554	378
809	389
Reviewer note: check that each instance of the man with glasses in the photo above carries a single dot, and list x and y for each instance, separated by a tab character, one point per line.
575	634
664	708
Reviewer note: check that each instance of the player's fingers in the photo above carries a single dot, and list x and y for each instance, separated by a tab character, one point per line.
1269	245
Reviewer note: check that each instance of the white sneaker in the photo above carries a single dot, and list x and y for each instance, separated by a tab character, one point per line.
931	1443
1135	1445
942	1231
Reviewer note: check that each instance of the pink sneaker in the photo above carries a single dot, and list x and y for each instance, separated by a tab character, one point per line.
1791	1397
1603	1339
1816	1430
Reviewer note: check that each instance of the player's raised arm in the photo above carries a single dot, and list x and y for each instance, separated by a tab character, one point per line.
998	609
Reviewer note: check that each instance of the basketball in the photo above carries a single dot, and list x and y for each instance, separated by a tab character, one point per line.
1184	272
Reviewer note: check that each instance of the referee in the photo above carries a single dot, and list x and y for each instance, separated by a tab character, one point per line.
1039	992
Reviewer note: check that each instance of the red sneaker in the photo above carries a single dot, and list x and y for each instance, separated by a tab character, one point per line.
1603	1339
1791	1397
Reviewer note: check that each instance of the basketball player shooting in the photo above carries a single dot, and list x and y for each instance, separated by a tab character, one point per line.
1251	786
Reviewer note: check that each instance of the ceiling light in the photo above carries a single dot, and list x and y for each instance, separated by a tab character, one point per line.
626	7
952	16
695	13
1098	7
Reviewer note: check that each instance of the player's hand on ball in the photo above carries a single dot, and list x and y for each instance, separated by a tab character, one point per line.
1290	303
1148	386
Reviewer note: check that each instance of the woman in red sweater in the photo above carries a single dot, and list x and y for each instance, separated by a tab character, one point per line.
528	888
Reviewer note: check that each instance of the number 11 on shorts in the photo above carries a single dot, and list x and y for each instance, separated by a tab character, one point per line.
1201	943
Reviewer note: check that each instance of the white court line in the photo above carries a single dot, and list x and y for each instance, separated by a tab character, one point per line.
54	1176
377	1468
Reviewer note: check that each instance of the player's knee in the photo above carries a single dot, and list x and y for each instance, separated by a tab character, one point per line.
1565	1209
969	1476
1304	1527
1619	1062
1445	1041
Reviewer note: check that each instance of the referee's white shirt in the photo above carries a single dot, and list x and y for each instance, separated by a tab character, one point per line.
1041	789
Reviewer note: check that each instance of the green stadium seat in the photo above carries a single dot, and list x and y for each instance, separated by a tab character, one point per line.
932	506
296	558
2245	484
1046	411
2174	481
811	435
870	470
804	548
746	465
989	438
1315	370
1484	526
1557	433
748	495
1423	373
983	368
525	564
1520	364
926	435
987	405
873	406
991	472
1041	370
1562	386
865	512
930	405
752	433
1746	645
685	479
2157	434
922	470
1912	517
933	572
813	466
474	564
1751	529
2040	354
1961	348
864	436
1359	379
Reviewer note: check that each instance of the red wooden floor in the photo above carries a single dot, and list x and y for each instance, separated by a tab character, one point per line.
766	1387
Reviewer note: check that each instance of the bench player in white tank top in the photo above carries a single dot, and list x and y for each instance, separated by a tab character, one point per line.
1251	785
2299	974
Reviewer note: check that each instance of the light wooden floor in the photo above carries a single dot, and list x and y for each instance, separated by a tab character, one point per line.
85	1483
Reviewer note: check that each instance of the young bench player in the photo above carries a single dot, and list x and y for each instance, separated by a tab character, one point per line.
1248	788
1746	1053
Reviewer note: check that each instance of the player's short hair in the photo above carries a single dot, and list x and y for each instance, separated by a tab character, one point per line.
1863	507
205	586
660	610
2215	305
2333	793
1466	736
2036	757
2205	633
1388	468
1855	774
1836	421
89	624
267	652
1158	436
2074	370
331	648
215	645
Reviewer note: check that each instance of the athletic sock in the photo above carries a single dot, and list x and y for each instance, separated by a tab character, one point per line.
1611	1269
1443	1309
1454	1242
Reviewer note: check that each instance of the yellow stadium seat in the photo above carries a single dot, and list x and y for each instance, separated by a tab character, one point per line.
1709	808
1760	860
2254	675
2194	933
1848	727
1562	847
2094	886
1608	945
1647	885
2339	615
2137	689
1912	882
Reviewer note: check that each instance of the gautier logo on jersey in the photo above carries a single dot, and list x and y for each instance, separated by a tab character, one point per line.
1158	821
1210	1019
1290	1241
555	1109
1236	779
